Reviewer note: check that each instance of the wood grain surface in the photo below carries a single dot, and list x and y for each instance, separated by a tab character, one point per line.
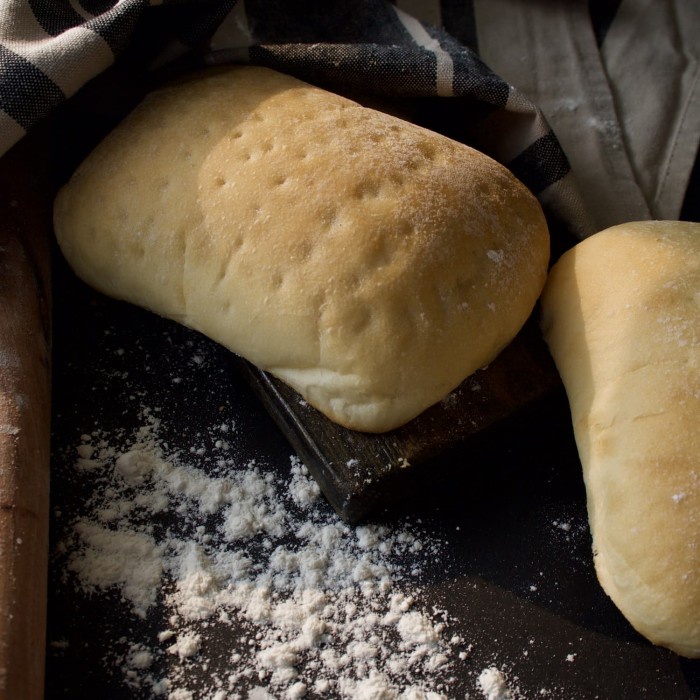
24	417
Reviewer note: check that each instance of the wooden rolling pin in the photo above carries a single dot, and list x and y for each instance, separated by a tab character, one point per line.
25	229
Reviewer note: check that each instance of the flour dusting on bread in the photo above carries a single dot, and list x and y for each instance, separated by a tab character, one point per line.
370	263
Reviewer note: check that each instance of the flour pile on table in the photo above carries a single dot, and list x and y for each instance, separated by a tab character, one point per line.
258	589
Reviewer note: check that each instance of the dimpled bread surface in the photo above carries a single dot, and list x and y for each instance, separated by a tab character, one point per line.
369	263
621	314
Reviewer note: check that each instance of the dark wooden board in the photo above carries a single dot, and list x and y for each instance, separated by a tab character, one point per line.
360	472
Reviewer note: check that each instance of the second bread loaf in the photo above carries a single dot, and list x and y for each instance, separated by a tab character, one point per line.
621	314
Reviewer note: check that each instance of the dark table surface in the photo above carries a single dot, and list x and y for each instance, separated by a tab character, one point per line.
514	575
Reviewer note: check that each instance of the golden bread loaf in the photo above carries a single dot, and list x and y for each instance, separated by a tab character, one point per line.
369	263
621	314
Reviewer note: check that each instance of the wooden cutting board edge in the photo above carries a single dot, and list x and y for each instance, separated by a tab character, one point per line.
25	414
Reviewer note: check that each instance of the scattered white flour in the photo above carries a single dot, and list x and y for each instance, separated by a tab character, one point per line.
493	684
310	606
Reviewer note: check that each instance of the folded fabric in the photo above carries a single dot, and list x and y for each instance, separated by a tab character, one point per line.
594	106
49	49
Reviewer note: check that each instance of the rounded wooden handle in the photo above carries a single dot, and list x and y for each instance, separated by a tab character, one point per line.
24	417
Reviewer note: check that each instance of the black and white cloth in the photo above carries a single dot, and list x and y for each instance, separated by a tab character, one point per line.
594	105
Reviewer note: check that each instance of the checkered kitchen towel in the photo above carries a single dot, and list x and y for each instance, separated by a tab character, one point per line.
617	80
